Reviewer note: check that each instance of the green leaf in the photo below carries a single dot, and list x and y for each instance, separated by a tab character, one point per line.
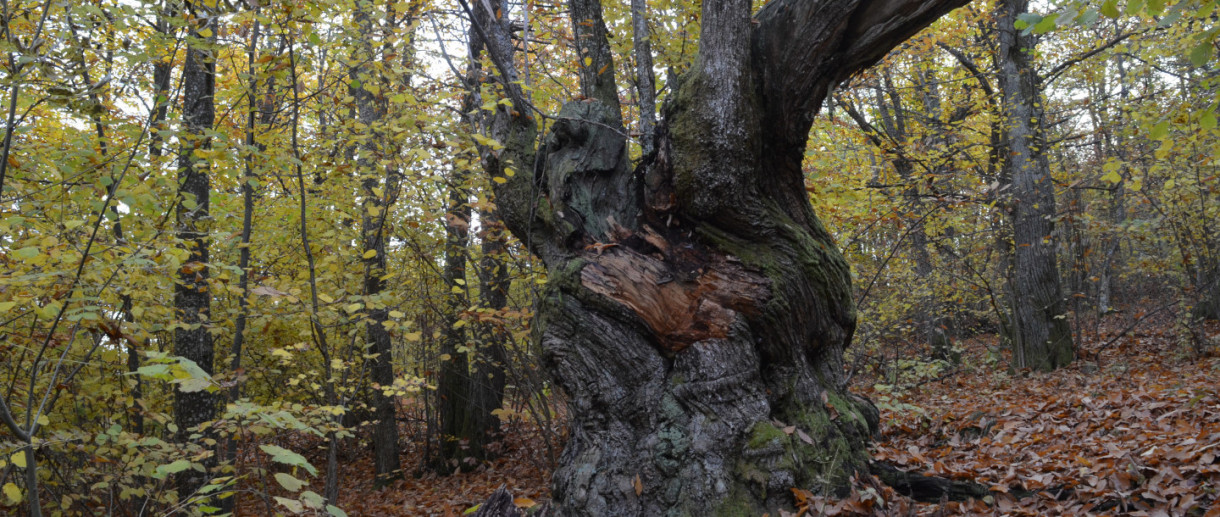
1046	25
1110	9
1208	120
1202	53
1135	6
1088	17
287	457
289	482
1155	7
335	511
193	385
292	504
26	253
156	371
1113	177
172	468
1026	20
312	499
1159	131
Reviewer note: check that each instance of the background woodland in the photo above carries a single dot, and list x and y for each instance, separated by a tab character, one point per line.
250	258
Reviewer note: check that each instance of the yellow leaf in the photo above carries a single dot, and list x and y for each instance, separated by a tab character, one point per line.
205	33
499	179
1169	183
588	61
326	299
1112	177
19	459
7	306
43	420
12	493
369	254
397	314
524	502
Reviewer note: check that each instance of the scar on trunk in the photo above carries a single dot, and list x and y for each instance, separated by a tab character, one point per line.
684	300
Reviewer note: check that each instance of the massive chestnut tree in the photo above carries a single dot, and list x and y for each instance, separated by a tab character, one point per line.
696	310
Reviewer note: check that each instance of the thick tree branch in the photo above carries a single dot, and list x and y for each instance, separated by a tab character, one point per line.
805	47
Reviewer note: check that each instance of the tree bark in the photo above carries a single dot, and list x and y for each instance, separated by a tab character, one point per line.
161	79
696	311
645	83
378	190
453	384
489	379
192	297
1044	336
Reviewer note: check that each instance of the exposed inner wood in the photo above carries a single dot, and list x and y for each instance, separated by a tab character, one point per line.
683	301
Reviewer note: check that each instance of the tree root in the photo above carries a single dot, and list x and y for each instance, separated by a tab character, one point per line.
926	489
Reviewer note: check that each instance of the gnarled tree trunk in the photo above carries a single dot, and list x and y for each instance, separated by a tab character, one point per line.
696	310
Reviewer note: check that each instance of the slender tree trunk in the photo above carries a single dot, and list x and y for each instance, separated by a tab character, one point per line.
1044	336
192	296
645	83
453	385
696	312
377	200
488	380
249	179
468	398
1113	258
161	79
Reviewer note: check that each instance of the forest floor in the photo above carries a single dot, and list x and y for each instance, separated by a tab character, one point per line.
1133	429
